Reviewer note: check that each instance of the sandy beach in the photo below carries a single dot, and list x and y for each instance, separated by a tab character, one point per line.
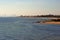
51	23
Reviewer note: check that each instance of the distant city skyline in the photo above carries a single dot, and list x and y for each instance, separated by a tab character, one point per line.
29	7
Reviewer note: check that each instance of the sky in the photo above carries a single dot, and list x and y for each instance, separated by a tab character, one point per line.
29	7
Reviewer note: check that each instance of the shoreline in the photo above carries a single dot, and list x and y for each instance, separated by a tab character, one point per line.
51	21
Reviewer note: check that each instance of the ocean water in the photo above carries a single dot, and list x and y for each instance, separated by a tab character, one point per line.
20	28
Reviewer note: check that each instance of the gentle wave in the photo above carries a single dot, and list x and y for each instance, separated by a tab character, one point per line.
25	29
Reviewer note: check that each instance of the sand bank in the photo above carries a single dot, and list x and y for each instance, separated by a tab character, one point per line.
51	23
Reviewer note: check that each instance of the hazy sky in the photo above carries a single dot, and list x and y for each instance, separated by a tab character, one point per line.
29	7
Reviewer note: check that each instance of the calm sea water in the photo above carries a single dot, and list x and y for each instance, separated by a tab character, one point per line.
14	28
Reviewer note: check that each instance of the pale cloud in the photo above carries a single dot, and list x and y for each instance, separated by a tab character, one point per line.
29	7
